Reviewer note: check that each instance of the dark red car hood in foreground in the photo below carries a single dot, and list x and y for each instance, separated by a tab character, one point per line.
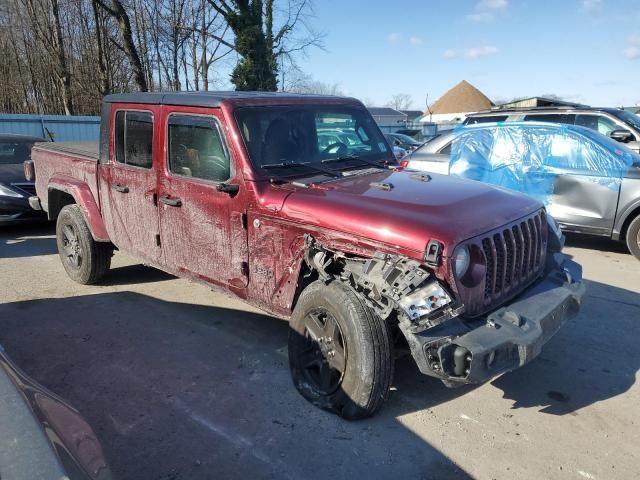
407	209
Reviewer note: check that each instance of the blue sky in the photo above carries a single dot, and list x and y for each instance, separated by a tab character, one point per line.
583	50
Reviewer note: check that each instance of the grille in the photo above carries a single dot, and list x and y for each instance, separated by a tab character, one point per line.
27	187
514	257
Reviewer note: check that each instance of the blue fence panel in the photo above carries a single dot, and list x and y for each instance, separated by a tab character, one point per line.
59	128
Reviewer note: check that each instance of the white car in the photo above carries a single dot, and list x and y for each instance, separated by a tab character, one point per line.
433	156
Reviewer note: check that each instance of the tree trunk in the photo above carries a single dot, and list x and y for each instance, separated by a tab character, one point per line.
64	75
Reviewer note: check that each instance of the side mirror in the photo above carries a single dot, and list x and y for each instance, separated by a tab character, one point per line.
621	135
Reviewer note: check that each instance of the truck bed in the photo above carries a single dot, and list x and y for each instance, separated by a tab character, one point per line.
84	149
63	161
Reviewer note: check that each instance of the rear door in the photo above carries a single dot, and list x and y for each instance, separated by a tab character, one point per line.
128	182
201	199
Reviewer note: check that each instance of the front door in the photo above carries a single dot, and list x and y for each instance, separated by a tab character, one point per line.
128	184
201	200
586	185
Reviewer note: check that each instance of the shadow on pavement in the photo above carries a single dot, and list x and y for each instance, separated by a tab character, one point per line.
28	240
602	244
592	358
178	390
134	274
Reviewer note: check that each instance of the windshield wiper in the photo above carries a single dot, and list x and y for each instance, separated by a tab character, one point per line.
341	158
300	164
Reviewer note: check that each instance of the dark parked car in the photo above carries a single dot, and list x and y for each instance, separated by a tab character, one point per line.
619	124
588	193
14	189
403	141
42	436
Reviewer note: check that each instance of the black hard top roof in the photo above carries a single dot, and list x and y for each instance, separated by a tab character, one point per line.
210	99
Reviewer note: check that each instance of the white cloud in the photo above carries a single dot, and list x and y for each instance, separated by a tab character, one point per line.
492	4
477	52
632	53
482	17
471	52
591	6
486	10
395	38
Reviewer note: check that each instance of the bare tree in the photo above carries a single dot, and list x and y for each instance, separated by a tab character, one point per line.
401	101
259	44
63	56
117	10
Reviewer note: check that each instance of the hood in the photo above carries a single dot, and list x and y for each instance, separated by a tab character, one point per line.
12	173
412	212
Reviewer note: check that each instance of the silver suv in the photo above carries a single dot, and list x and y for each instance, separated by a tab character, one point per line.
618	124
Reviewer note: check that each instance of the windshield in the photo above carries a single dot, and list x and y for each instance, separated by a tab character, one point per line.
279	136
630	118
14	152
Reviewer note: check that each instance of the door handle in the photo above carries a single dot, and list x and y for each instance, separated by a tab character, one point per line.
120	188
228	188
172	202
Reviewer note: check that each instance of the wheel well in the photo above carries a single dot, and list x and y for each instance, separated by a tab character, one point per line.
625	226
57	200
306	277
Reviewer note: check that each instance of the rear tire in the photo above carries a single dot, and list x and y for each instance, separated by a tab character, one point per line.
633	237
85	260
340	352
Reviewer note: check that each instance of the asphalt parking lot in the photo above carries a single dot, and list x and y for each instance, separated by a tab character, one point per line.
183	383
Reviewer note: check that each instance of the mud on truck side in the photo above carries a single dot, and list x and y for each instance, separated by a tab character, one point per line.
296	205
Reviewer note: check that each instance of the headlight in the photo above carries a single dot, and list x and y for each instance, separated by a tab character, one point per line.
461	260
7	192
424	300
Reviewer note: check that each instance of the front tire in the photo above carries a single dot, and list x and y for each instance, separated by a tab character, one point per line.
633	237
85	260
340	352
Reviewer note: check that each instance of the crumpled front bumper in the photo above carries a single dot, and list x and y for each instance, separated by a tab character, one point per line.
462	352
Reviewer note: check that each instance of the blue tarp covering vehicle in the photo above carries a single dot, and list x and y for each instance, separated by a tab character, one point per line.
529	156
588	182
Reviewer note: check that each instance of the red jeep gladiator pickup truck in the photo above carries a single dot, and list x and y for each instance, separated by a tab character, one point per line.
296	204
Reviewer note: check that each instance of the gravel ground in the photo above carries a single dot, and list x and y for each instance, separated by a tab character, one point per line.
183	383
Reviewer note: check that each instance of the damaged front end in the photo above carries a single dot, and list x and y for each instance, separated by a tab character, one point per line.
444	340
388	283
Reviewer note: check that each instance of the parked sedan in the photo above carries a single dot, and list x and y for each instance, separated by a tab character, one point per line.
589	182
14	189
42	436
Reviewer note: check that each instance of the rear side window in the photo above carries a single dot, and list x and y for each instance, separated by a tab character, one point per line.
196	148
551	117
599	123
487	119
134	138
446	150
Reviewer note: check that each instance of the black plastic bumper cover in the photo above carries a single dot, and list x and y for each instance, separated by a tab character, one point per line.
511	336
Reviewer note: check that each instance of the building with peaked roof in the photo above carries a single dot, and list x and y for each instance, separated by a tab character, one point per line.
531	102
453	106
